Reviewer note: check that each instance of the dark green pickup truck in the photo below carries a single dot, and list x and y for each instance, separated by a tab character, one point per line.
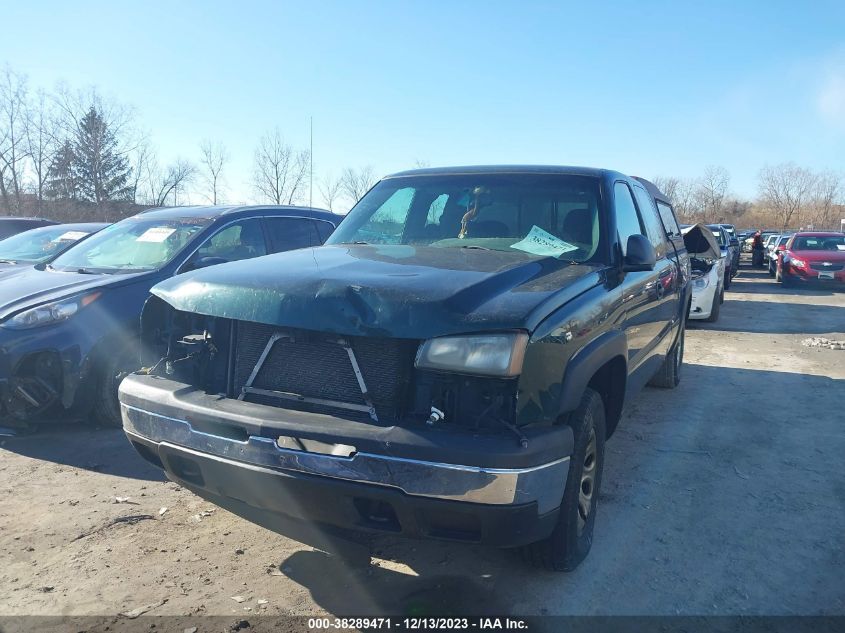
449	365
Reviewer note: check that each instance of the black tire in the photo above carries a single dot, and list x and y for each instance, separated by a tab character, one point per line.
715	308
572	538
727	281
669	374
772	270
778	275
112	369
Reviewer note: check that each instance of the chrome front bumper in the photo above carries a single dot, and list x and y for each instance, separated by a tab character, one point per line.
542	484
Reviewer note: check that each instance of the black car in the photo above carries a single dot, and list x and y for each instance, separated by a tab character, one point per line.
12	226
69	328
447	366
42	244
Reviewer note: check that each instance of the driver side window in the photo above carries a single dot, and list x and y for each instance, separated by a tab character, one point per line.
241	240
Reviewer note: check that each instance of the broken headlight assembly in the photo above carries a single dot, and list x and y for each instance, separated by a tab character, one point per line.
499	354
49	313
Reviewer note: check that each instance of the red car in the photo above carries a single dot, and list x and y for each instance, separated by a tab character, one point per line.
813	257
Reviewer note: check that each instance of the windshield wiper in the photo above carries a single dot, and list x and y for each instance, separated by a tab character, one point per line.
86	271
8	261
476	247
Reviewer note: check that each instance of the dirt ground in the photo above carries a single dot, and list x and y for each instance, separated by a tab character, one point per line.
724	496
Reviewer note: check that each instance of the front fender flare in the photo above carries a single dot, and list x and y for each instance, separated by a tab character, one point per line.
586	362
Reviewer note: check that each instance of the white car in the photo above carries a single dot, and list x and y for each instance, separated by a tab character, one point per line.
708	272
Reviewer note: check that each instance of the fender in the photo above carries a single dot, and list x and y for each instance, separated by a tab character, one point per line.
586	362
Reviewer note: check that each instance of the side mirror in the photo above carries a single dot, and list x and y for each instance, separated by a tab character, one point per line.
641	255
205	262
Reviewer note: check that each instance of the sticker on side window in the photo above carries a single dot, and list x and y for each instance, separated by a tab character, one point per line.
543	243
156	234
71	236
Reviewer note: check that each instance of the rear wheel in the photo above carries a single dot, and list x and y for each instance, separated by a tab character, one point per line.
113	369
669	374
572	538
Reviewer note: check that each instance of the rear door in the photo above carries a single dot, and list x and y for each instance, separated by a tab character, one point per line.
667	269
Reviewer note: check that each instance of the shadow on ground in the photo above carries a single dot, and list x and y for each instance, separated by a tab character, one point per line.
343	590
772	317
758	281
100	450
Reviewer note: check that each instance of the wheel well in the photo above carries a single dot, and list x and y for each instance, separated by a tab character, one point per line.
609	383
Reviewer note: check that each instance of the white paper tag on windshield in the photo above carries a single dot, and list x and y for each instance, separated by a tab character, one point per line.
156	234
71	236
543	243
841	247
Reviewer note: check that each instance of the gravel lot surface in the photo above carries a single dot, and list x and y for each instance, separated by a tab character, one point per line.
724	496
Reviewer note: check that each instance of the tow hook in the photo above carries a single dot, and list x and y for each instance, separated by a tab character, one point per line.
436	416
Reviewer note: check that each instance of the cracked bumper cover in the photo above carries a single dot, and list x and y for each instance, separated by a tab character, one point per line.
436	483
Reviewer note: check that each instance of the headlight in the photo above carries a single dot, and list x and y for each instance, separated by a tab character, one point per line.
486	354
49	312
701	283
798	263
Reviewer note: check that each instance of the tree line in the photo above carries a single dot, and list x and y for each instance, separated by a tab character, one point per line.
73	155
788	197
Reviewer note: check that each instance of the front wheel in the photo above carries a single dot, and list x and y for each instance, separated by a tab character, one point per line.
572	538
714	309
113	369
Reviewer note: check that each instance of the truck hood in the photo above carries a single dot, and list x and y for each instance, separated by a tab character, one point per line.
384	290
700	242
33	286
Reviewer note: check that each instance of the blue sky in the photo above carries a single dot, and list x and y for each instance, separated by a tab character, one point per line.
643	87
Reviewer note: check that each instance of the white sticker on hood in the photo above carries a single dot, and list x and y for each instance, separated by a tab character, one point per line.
71	236
156	234
543	243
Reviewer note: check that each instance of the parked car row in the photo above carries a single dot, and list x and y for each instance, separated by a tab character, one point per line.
445	362
811	257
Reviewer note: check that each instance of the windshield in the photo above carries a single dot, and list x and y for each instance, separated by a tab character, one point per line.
38	245
819	243
134	245
538	215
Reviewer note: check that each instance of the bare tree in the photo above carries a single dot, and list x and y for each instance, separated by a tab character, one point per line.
280	172
42	142
685	200
668	185
826	199
213	157
13	99
785	189
141	158
329	191
170	181
712	189
356	182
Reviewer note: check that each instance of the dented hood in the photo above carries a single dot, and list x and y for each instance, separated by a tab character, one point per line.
700	242
384	290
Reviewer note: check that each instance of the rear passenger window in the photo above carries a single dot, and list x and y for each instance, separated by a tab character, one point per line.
668	217
627	219
287	234
653	225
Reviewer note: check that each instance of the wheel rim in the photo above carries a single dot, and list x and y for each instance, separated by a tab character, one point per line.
588	482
